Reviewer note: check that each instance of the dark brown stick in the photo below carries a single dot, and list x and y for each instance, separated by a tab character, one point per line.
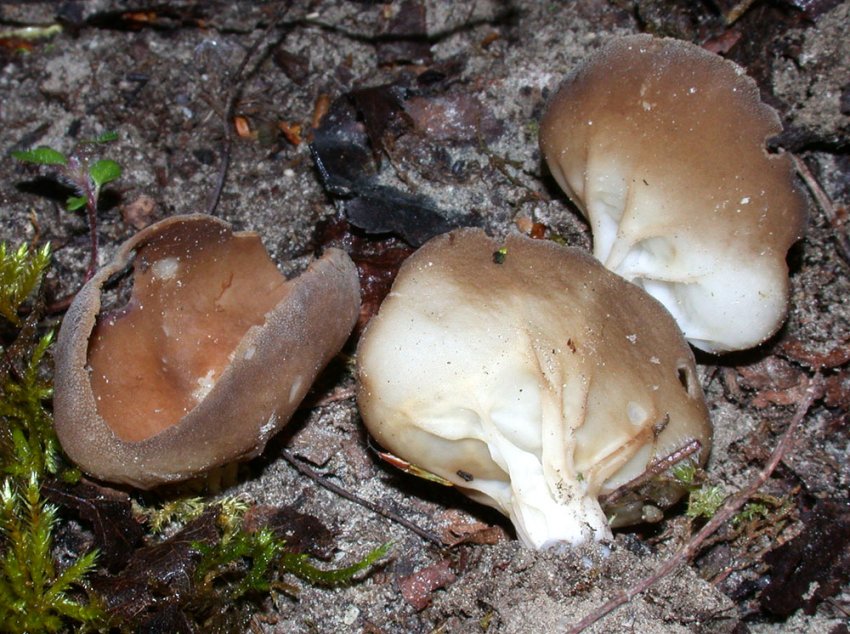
241	78
823	201
726	512
323	481
656	468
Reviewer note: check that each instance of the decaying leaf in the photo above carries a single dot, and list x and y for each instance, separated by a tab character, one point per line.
405	35
413	122
108	511
157	575
303	533
416	588
377	261
814	565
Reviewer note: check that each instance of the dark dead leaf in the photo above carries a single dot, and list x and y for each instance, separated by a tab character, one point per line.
461	529
404	38
416	588
381	209
168	618
341	149
16	44
383	113
814	565
723	43
412	126
377	273
157	575
294	66
769	372
303	533
837	390
377	260
774	380
442	74
109	512
162	17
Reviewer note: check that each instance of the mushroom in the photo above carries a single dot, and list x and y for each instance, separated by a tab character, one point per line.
209	358
661	145
529	377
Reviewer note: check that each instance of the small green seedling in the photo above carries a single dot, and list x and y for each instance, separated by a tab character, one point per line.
83	170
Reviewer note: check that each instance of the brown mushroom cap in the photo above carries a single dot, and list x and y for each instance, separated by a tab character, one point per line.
209	358
534	385
661	144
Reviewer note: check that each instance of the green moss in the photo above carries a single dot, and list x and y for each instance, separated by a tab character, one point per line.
751	512
685	473
35	596
28	445
300	566
21	271
705	501
261	558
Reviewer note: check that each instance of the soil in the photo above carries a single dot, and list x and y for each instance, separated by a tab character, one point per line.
162	75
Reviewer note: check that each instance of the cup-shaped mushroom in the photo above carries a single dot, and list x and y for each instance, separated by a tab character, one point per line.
534	381
209	358
661	145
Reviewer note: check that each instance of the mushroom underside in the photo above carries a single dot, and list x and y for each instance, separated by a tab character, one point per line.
535	385
661	144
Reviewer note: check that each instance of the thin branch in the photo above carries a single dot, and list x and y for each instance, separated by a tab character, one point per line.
726	512
92	196
241	78
323	481
823	201
655	469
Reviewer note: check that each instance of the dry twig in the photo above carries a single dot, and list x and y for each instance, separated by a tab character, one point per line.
655	469
823	201
723	515
348	495
241	78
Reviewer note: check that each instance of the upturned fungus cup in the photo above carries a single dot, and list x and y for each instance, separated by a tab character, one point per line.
209	358
530	377
661	145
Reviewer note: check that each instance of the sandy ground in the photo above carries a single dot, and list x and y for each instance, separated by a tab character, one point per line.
162	82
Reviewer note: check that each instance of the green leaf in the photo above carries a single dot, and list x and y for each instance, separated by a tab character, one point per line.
106	137
104	171
42	156
75	202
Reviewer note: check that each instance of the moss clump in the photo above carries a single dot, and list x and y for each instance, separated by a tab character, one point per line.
261	558
21	271
35	596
